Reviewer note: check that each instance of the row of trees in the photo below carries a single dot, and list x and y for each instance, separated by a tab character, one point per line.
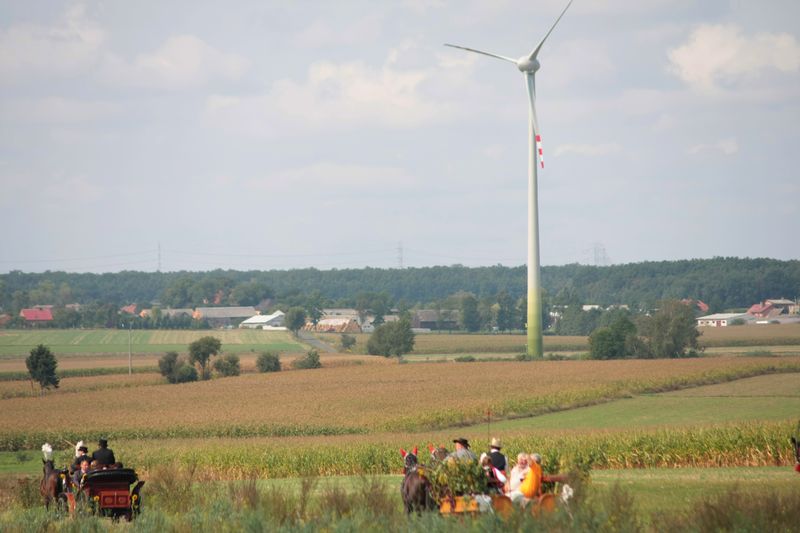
669	333
721	282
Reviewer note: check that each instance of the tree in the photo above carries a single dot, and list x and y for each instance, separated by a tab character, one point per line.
347	342
671	330
201	350
470	318
394	338
505	311
176	369
228	365
615	341
42	365
295	319
268	362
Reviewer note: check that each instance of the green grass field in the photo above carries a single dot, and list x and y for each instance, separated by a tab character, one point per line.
761	398
14	343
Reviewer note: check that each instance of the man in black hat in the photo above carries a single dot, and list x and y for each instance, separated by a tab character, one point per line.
104	455
83	455
462	451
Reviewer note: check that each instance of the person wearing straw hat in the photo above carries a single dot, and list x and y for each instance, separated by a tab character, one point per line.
498	459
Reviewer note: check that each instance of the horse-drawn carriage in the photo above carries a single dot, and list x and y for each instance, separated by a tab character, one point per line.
113	492
454	488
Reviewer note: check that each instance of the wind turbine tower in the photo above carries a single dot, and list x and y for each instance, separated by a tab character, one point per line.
528	65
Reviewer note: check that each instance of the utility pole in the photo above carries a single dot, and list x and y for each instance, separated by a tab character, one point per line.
130	352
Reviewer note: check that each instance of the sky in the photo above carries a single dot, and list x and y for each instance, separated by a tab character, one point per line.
195	135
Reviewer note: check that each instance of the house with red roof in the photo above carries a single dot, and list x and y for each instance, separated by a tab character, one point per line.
763	310
37	315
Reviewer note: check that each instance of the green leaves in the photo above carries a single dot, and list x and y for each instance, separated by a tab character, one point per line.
42	365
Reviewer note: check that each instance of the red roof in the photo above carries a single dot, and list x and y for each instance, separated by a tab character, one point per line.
758	309
36	314
130	309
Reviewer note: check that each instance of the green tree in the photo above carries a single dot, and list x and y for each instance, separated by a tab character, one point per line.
671	331
347	342
268	362
42	366
470	318
228	365
615	341
394	338
505	311
295	319
176	369
201	350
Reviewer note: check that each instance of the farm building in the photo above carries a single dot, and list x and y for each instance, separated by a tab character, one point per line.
129	309
720	319
37	315
273	321
218	317
431	319
334	325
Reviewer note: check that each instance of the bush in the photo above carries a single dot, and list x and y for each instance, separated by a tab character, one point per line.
228	365
268	362
347	342
311	360
176	369
465	359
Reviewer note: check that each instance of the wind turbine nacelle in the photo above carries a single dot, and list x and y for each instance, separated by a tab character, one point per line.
526	64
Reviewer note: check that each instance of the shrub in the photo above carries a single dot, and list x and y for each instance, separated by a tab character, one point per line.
176	369
311	360
228	365
268	362
185	373
347	342
465	359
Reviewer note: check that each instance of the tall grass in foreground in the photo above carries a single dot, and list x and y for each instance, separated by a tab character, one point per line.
374	505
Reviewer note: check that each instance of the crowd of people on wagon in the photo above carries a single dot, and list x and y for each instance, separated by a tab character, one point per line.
518	483
101	459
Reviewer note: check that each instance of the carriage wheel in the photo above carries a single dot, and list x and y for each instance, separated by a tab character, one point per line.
546	503
502	505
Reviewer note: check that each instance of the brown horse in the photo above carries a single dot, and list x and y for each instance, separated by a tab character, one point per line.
51	485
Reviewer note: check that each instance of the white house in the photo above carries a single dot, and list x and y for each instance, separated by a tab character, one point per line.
719	319
273	321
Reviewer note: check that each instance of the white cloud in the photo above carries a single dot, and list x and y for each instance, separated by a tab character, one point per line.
321	34
182	61
70	46
588	150
332	96
723	146
55	109
721	54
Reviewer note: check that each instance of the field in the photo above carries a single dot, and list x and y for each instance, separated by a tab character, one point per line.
111	341
651	427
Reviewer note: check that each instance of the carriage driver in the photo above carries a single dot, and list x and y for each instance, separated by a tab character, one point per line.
103	455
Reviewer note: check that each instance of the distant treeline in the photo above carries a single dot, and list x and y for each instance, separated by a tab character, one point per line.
722	283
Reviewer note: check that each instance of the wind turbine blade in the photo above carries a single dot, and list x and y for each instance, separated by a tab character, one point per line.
504	58
537	133
536	50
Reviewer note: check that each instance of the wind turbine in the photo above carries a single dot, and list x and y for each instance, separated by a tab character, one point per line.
528	65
